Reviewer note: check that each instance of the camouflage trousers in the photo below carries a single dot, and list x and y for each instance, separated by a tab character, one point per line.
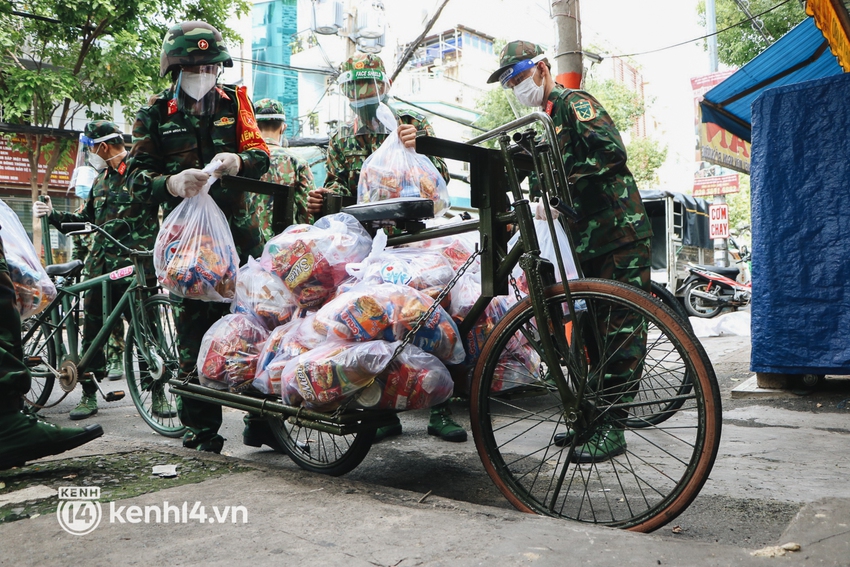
94	319
622	332
15	379
193	319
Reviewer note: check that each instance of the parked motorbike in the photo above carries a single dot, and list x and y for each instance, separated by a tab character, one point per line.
708	289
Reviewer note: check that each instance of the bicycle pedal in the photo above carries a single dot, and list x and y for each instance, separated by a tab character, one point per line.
32	361
114	396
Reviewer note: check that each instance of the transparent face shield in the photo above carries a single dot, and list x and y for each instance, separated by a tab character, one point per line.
195	89
88	164
367	94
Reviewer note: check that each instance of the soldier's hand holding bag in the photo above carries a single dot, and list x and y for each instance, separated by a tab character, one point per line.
195	256
396	171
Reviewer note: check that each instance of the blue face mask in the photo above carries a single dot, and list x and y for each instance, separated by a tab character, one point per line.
84	178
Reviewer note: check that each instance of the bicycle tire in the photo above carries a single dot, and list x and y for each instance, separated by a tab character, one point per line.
514	424
666	297
43	379
319	451
146	385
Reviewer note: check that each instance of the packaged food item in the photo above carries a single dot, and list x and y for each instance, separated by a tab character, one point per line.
311	259
414	380
34	290
285	343
519	365
229	352
194	255
263	296
456	249
388	311
396	171
323	377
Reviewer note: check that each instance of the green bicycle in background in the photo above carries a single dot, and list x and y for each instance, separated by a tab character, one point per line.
52	339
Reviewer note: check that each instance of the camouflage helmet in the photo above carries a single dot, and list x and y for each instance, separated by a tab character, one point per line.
513	53
98	131
192	43
361	74
269	109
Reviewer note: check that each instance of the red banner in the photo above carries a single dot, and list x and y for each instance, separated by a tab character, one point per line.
15	167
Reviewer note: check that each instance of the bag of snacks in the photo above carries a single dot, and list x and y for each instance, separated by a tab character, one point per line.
518	365
388	312
457	249
263	296
229	352
395	171
547	251
194	255
34	289
284	344
323	377
311	259
414	380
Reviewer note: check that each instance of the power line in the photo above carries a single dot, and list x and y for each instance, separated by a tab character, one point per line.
742	22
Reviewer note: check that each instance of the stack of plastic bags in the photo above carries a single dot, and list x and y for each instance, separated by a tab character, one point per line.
33	288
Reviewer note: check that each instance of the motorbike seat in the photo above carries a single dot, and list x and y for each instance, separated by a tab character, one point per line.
399	209
66	270
726	271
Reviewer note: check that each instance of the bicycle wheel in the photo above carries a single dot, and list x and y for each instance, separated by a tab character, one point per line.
666	297
517	412
321	452
148	385
41	346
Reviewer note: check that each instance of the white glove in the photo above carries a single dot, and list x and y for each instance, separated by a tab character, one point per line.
187	183
40	209
230	164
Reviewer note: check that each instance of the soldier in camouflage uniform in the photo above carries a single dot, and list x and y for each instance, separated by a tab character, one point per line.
612	233
115	346
284	167
23	436
185	127
131	218
363	80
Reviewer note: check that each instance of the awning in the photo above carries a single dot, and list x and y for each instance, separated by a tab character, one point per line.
832	17
800	55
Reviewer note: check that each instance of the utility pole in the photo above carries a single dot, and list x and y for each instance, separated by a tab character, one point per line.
568	62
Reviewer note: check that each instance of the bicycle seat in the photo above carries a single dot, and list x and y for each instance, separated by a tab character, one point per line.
729	272
67	270
399	209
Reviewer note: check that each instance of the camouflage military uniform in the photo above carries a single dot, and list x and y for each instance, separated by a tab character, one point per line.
284	169
15	379
348	149
131	217
166	143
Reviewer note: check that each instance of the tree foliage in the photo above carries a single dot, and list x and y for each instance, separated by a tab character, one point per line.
739	204
743	42
623	105
63	58
646	155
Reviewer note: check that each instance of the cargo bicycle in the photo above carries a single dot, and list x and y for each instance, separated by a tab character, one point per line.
52	339
610	358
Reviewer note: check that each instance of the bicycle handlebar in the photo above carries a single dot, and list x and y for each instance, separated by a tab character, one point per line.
70	228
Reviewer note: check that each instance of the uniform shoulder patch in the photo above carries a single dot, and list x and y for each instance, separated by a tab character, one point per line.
584	110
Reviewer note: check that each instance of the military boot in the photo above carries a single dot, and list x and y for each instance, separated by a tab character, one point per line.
443	426
607	442
86	408
203	441
258	432
388	431
160	406
24	437
115	370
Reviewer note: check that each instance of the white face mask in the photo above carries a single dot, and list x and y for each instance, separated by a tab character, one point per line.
196	85
97	162
529	93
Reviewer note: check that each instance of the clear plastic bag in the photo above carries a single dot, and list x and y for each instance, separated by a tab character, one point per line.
387	312
325	376
285	343
263	296
414	380
194	255
34	290
311	259
394	171
229	352
547	251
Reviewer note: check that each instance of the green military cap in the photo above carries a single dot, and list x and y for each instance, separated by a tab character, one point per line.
192	43
269	109
360	75
98	131
513	53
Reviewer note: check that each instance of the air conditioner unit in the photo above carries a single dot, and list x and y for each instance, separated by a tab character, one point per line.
327	16
371	45
371	21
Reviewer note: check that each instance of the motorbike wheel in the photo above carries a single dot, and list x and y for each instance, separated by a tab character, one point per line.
696	306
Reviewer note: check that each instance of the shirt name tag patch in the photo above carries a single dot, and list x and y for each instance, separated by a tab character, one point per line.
584	110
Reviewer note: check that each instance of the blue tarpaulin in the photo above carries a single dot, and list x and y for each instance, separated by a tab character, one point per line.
800	55
800	183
